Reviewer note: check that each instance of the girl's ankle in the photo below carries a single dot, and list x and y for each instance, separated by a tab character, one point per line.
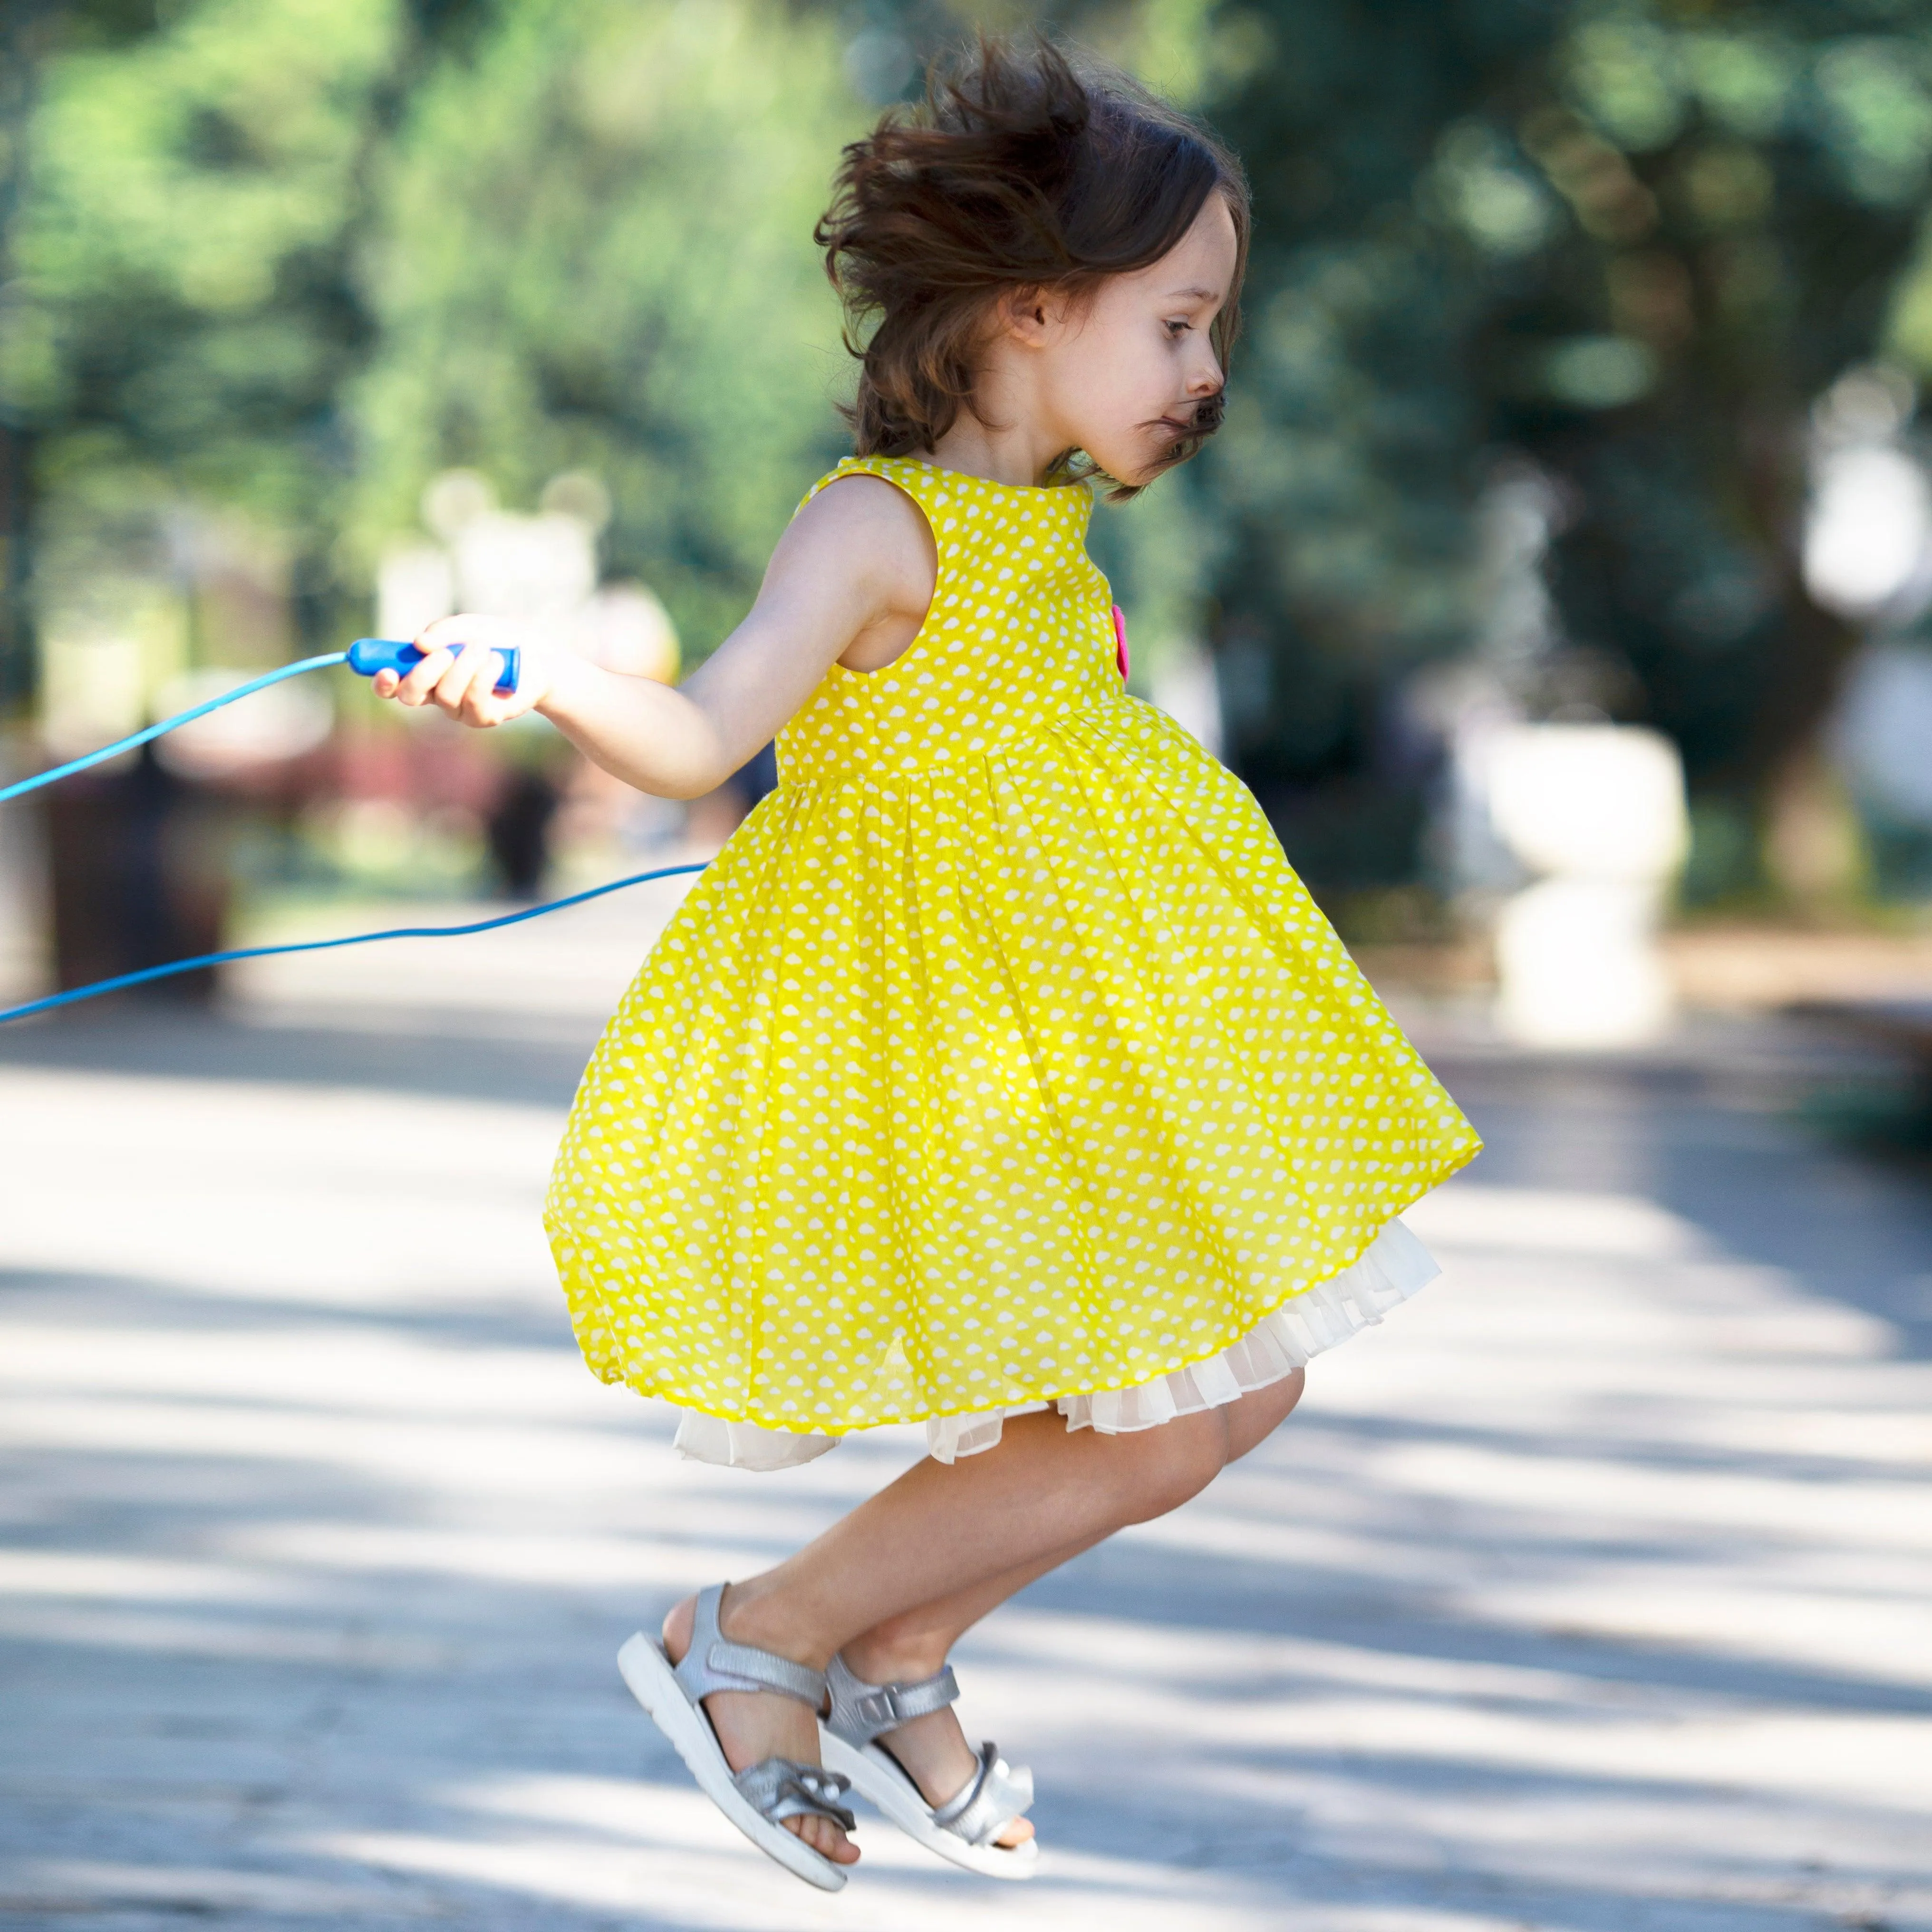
875	1658
757	1615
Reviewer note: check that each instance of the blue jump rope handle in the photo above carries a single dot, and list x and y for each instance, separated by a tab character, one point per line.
370	654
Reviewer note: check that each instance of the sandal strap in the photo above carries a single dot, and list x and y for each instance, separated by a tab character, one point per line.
859	1711
714	1663
990	1800
778	1788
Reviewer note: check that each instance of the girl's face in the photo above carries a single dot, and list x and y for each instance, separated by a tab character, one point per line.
1122	369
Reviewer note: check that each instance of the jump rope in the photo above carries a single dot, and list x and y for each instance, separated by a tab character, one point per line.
366	656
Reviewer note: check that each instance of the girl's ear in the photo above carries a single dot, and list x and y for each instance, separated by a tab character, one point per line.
1027	314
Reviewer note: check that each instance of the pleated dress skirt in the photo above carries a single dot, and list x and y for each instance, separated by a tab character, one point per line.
1000	1062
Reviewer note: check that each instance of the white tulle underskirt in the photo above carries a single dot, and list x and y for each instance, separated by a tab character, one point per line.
1391	1268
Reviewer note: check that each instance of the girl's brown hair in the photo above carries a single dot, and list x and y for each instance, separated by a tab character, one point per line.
1018	172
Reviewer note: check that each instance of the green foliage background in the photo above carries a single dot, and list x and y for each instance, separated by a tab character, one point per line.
593	252
283	260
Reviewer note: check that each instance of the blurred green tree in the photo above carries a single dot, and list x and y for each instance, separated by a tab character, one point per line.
295	256
179	321
1634	240
30	31
595	254
1740	191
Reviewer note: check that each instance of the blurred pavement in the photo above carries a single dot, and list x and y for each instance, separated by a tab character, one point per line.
1590	1591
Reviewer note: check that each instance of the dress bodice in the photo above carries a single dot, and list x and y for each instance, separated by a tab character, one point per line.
1019	632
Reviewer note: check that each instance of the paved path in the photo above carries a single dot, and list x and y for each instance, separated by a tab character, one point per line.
1590	1591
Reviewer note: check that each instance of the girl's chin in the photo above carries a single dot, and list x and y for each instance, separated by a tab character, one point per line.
1149	455
1158	462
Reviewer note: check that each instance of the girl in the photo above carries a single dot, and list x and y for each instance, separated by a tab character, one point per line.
999	1075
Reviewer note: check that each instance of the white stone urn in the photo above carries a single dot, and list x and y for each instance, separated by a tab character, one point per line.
1596	812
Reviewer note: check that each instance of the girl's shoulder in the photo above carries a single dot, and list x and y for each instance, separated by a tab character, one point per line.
871	528
905	475
955	498
879	494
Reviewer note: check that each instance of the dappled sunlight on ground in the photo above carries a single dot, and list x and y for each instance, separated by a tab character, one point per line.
1587	1592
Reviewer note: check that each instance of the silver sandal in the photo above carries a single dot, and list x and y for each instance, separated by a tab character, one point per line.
962	1829
758	1800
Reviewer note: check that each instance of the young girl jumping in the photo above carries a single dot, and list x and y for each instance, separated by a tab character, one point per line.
999	1075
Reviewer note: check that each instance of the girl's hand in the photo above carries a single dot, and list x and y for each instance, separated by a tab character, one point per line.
460	666
850	581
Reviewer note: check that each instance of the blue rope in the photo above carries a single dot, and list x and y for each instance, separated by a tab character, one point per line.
166	724
123	981
174	966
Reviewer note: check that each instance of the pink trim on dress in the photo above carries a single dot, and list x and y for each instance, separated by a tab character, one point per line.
1120	641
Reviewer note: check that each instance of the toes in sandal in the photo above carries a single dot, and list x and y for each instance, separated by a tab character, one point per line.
758	1800
962	1829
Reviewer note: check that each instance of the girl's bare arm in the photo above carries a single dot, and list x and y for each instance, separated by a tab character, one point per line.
853	574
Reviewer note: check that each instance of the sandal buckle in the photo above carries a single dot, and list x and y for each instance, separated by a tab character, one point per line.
879	1707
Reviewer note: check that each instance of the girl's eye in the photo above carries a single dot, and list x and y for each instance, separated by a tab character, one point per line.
1175	328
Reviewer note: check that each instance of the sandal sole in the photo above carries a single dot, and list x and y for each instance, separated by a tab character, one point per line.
650	1674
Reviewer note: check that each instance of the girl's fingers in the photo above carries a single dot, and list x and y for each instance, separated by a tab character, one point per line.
461	662
444	644
484	708
419	685
481	704
474	666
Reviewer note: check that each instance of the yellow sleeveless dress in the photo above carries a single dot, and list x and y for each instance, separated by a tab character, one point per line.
999	1059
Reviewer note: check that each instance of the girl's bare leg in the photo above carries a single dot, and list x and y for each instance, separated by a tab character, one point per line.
934	1749
906	1572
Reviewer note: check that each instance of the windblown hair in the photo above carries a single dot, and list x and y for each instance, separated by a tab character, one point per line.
1018	171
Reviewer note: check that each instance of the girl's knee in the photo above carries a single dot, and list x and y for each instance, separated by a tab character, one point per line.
1261	1412
1173	1463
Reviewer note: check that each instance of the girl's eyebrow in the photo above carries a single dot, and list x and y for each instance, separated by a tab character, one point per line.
1198	294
